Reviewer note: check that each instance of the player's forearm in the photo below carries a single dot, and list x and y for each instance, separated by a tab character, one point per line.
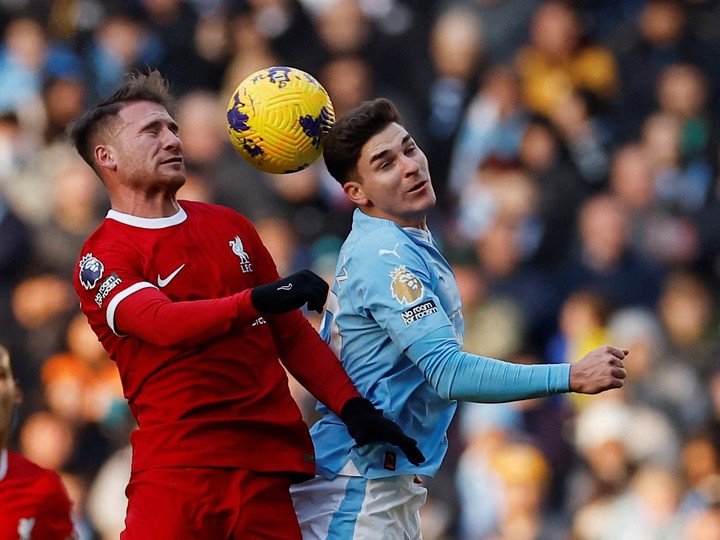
151	316
309	359
456	374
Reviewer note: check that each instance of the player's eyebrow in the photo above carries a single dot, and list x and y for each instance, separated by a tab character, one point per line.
382	154
378	156
157	122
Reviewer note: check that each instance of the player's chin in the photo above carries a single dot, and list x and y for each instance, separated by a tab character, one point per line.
176	180
424	198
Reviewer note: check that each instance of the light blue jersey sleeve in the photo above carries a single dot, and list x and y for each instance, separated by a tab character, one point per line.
406	301
459	375
405	295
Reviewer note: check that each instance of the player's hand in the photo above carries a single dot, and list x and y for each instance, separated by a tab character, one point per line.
366	424
599	370
290	293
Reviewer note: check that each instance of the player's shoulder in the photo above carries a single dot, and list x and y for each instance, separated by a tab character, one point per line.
385	246
208	209
38	483
106	245
30	472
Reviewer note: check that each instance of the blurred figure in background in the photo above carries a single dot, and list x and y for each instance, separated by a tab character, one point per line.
42	305
557	61
504	24
492	127
82	387
33	501
15	253
525	477
603	260
607	435
486	429
582	326
686	312
456	55
655	378
76	205
655	39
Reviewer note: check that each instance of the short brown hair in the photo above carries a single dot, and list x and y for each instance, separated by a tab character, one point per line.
344	142
136	86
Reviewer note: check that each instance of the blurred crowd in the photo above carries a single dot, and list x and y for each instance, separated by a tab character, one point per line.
575	151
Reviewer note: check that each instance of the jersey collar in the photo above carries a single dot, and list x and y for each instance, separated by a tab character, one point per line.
367	224
148	223
3	463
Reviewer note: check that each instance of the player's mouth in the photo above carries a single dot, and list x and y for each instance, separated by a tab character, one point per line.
177	160
418	187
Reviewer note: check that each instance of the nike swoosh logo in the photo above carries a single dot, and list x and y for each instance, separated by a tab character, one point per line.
163	282
285	287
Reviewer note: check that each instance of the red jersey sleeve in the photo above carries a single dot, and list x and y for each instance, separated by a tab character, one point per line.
311	361
151	316
301	349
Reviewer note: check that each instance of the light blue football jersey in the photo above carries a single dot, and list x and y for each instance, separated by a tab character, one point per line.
392	286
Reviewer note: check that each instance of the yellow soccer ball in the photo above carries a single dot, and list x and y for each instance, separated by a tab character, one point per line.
277	118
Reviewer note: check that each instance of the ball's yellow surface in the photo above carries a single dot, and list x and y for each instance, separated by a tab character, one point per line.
277	118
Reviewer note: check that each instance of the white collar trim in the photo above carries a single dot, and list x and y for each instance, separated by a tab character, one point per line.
3	463
148	223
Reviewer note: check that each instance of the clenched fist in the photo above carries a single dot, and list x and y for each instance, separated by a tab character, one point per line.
599	370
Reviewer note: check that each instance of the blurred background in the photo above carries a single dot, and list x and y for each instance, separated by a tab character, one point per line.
575	150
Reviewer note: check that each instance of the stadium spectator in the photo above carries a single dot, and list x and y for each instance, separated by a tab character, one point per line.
492	127
602	259
656	38
556	62
685	309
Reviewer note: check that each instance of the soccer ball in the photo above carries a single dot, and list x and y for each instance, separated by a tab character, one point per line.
277	118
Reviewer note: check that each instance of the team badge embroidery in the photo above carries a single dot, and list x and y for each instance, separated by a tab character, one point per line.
239	250
405	286
91	270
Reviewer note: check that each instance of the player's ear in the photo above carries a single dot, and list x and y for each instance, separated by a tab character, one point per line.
105	157
356	193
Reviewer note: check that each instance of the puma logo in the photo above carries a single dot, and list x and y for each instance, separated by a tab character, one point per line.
392	251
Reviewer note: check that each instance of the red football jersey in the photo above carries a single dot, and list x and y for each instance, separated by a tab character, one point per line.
33	501
202	378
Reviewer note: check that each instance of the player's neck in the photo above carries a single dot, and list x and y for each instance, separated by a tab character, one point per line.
144	205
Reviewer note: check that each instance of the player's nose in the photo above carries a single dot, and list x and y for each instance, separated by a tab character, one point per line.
410	166
171	139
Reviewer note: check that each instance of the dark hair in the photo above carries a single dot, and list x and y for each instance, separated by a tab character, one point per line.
136	86
344	142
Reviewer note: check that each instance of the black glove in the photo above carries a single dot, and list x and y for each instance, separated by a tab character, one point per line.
366	424
291	293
